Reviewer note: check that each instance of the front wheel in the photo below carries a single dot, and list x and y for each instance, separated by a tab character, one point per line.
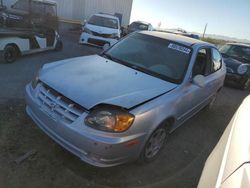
10	54
154	145
59	45
211	103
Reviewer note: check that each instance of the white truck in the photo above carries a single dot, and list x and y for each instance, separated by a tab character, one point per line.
17	42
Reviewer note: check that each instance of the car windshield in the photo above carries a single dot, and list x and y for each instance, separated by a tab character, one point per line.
237	51
161	58
139	26
103	22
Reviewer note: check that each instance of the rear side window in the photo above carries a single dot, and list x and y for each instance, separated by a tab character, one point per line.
216	60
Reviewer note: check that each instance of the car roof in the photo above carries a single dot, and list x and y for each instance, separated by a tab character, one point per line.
106	15
176	38
239	44
141	22
48	2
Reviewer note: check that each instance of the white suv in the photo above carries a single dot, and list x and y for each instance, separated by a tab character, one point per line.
100	30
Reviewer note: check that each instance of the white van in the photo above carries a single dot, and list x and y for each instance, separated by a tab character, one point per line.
100	30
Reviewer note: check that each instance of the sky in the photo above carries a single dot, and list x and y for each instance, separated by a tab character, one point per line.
224	17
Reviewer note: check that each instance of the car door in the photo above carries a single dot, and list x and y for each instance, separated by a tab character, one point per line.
194	97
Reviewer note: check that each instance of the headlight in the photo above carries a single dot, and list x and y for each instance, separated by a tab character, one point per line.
114	36
57	35
4	15
109	118
242	69
35	80
86	30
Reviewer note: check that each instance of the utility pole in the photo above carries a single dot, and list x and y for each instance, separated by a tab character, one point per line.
204	31
1	3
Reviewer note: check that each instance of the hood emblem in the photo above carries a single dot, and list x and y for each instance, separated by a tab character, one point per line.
53	106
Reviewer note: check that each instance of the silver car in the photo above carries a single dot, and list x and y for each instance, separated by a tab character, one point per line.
120	106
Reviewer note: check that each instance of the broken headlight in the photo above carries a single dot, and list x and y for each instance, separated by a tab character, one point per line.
109	118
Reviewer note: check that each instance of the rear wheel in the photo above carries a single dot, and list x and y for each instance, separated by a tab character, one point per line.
154	145
10	54
246	84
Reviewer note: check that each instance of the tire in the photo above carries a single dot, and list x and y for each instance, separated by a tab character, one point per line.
211	103
246	84
59	45
154	145
10	54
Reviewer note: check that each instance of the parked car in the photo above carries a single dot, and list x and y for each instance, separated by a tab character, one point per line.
237	59
23	14
139	26
120	106
16	42
100	30
228	166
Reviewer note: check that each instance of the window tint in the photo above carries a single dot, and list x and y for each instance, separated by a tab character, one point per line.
217	60
202	63
139	26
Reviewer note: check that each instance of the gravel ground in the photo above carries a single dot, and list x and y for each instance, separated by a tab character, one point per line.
180	164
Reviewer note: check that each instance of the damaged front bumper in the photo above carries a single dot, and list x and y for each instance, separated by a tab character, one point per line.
97	148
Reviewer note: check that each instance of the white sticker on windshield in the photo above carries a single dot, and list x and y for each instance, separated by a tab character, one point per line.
179	48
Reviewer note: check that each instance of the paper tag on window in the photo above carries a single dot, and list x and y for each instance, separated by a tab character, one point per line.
179	48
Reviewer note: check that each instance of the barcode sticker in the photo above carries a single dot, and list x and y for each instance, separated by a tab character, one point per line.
179	48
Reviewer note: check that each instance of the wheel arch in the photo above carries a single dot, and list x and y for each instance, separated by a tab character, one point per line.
15	46
168	122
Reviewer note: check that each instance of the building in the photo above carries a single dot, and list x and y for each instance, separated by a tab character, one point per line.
76	11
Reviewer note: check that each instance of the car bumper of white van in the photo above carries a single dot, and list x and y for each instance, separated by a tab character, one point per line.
87	38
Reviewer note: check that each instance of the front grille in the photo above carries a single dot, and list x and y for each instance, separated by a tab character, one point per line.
101	35
230	70
58	106
96	42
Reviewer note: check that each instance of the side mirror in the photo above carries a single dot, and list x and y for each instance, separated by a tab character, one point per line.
199	80
83	23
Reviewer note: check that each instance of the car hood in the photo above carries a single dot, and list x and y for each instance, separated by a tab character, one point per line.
100	29
94	80
232	63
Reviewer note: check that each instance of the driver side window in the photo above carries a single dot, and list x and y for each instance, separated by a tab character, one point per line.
202	63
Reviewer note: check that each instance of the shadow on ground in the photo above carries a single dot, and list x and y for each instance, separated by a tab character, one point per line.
179	165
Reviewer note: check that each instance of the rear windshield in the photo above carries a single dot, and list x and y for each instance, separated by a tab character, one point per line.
103	22
139	26
161	58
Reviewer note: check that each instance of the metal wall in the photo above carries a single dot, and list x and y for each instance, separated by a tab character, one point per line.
110	6
78	10
9	2
83	9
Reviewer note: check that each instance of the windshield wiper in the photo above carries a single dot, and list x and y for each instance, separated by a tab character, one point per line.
107	56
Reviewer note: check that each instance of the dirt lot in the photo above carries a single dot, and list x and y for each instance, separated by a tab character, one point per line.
180	164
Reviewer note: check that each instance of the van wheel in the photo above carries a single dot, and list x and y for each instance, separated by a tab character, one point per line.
10	54
246	84
154	145
59	45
